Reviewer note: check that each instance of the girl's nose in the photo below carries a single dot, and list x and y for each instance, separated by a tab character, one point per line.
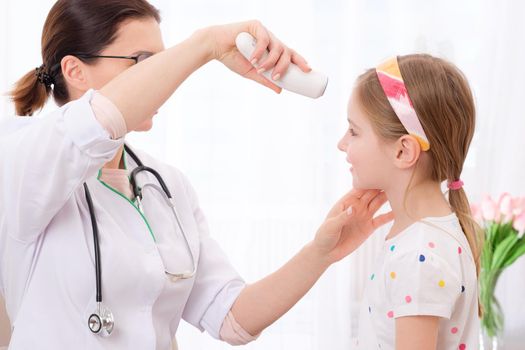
342	145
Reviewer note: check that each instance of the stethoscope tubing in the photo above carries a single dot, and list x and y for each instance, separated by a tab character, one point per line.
98	273
102	322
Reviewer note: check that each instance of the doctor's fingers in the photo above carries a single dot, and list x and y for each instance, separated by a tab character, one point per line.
261	79
266	40
362	205
288	57
348	200
300	62
275	51
263	39
282	65
377	202
382	219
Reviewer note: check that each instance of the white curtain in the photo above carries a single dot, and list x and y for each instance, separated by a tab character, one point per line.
266	166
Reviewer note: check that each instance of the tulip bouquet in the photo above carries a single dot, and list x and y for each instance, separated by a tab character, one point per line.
503	224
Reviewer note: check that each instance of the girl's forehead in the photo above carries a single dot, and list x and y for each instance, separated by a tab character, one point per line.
355	112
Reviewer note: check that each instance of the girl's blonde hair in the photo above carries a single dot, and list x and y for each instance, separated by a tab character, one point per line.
444	104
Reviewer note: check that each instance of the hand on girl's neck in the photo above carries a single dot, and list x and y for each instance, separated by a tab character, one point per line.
422	199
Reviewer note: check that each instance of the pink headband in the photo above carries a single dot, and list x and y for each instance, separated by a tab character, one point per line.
396	92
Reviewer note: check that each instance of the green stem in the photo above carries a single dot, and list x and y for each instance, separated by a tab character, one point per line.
492	320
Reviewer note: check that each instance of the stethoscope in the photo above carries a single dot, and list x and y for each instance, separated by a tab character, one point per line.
102	321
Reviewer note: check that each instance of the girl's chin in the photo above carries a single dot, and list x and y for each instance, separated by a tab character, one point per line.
358	185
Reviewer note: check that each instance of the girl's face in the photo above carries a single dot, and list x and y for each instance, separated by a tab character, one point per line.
371	158
134	37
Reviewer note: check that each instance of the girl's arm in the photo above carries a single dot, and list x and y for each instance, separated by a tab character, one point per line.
263	302
417	332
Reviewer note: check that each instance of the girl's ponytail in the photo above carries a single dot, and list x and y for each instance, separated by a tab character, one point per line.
460	204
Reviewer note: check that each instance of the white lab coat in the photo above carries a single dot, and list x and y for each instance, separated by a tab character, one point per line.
46	243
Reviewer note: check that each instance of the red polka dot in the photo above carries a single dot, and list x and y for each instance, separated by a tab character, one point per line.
431	244
459	250
462	346
390	314
408	298
454	330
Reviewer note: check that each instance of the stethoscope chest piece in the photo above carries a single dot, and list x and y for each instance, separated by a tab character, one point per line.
101	321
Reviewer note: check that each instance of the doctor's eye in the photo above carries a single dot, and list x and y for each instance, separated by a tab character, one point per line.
351	132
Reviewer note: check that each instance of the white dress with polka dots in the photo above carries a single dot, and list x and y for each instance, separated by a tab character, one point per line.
427	269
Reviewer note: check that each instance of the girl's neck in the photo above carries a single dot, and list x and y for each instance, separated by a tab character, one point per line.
422	199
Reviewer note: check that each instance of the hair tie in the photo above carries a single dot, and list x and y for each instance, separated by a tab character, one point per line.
455	185
43	77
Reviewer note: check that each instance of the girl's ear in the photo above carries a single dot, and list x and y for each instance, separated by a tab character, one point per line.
407	152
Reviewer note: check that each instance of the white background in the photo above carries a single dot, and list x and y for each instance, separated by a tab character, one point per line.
266	166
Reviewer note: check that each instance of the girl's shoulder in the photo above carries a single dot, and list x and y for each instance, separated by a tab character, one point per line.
431	237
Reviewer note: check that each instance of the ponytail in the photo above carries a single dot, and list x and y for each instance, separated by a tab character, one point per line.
460	204
29	94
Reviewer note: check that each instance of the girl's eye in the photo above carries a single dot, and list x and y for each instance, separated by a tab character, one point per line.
352	132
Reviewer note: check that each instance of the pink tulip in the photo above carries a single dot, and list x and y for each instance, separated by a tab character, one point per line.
489	209
505	206
519	224
518	205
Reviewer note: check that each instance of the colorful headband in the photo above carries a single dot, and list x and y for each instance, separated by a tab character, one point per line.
396	92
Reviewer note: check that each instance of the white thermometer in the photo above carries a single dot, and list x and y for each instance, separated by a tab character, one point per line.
311	84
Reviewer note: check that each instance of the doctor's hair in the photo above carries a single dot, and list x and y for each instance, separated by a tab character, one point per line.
73	27
443	101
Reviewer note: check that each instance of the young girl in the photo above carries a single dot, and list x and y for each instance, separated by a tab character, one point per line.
411	121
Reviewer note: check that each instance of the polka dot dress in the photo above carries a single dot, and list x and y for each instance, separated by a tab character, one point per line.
427	269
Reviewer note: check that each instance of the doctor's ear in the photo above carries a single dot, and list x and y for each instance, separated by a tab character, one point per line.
73	70
407	152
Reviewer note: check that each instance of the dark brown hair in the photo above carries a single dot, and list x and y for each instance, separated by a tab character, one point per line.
74	27
445	106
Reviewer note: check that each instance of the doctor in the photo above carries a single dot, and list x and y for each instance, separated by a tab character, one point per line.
99	239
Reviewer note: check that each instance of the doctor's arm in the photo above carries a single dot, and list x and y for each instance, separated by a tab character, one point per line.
140	90
265	301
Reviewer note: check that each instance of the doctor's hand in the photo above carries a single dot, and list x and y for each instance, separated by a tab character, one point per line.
349	223
222	45
338	236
